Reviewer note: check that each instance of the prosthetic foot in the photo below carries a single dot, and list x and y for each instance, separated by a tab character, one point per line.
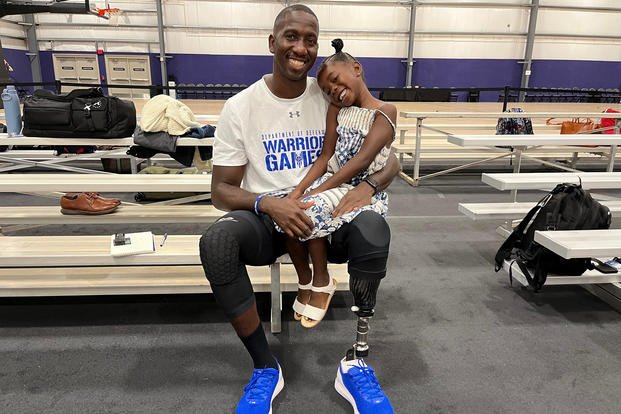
364	292
355	380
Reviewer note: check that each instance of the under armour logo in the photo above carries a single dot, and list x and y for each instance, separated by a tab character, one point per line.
233	219
295	114
96	105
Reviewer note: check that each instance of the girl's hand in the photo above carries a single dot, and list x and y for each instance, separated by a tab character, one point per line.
355	198
308	194
295	194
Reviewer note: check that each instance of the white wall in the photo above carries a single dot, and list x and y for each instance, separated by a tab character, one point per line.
242	27
8	28
581	3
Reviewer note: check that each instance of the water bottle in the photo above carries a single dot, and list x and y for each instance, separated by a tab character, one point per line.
12	112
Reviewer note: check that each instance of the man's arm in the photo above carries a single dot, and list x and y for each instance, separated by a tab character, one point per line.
385	176
226	194
360	195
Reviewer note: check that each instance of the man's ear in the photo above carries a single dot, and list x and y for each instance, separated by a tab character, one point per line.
270	43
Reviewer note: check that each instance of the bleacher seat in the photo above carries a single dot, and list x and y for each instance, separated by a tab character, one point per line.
217	91
191	93
200	93
209	91
181	93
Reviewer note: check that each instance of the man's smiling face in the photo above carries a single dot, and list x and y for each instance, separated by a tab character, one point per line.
294	45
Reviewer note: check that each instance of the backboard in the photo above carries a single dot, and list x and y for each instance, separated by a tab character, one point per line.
11	7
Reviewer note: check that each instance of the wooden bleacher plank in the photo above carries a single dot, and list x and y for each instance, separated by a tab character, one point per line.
79	251
123	214
581	243
455	152
39	154
547	181
63	251
75	281
15	183
122	142
510	211
539	139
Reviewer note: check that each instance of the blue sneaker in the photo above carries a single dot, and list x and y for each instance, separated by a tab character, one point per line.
263	387
356	382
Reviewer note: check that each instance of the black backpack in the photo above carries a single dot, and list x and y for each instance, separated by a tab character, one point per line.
567	207
82	113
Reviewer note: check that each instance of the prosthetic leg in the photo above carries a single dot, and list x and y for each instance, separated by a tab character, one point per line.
355	380
364	292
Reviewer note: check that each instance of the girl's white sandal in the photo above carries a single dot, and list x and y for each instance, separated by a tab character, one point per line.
313	315
298	307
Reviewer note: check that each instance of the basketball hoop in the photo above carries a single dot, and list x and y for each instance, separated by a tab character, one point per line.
111	14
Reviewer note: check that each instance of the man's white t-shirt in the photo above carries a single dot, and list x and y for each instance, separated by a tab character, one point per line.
276	139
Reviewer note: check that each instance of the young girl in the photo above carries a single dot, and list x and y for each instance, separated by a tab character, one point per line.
359	132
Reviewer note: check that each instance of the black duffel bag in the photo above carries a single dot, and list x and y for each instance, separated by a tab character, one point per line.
82	113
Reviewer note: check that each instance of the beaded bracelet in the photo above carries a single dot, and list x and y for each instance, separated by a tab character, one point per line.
256	203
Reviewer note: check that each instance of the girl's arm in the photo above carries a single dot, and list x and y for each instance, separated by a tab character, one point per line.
320	165
380	135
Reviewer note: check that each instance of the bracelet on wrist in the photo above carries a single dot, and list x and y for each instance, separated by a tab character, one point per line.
373	184
256	204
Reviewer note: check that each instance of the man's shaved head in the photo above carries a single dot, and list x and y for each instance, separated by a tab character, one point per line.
290	9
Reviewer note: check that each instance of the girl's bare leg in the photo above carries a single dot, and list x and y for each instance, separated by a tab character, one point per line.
299	256
318	249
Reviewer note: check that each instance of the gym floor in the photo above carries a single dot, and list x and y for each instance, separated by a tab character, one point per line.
449	335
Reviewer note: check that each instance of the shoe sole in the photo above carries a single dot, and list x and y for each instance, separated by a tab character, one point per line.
279	386
342	389
92	213
298	308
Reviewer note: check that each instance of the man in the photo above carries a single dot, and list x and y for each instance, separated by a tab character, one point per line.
267	138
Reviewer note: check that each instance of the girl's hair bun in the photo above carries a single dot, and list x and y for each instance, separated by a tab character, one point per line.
337	44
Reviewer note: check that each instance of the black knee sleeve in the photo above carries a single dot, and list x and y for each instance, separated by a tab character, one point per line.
219	251
367	241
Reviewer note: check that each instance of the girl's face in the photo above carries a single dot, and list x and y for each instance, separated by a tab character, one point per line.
341	82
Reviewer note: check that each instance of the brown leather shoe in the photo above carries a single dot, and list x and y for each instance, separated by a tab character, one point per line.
114	201
101	200
85	203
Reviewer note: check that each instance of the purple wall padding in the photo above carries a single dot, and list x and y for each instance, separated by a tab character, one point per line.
446	73
221	69
466	73
575	73
20	64
383	72
47	66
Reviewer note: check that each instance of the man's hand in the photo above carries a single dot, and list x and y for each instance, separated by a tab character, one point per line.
288	214
354	199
